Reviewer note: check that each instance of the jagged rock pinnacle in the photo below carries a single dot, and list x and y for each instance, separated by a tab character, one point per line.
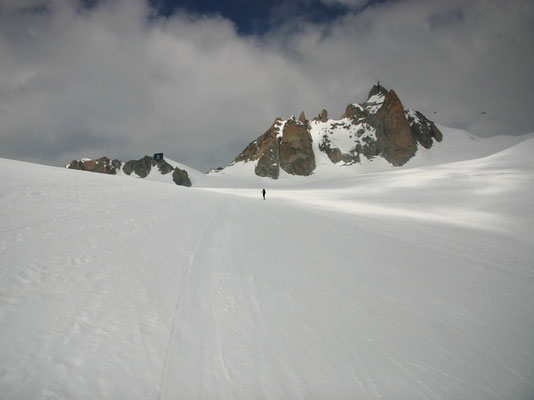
323	116
376	89
378	127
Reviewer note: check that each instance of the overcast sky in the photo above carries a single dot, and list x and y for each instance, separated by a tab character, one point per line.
125	78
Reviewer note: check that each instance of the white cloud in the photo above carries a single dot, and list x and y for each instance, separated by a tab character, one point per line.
112	81
456	58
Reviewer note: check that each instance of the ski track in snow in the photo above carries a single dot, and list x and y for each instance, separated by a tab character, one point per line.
176	321
114	288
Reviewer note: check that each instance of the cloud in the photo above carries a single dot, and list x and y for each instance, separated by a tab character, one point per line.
454	58
189	86
115	80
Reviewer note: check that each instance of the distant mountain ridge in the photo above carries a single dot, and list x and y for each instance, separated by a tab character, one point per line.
138	168
379	127
374	136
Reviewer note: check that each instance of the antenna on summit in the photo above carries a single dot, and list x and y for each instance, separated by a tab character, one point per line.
378	84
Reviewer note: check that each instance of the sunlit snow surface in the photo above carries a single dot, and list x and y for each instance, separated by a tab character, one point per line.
404	284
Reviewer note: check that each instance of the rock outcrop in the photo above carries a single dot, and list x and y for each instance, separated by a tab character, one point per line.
296	152
379	127
143	166
423	129
140	168
180	177
102	165
286	145
395	140
322	117
266	151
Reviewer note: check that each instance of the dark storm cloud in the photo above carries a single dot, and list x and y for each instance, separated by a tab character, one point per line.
116	79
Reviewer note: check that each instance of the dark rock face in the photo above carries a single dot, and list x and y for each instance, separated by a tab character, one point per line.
423	129
101	165
267	165
141	167
354	112
266	150
369	149
395	140
296	152
322	117
180	177
268	162
285	145
164	167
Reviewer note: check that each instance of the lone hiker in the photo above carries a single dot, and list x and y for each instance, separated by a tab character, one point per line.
263	192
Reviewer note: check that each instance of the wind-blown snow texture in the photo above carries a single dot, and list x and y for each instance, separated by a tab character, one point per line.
407	284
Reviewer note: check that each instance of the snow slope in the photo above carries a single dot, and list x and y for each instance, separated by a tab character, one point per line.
408	284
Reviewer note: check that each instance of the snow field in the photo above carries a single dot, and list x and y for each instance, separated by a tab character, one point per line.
408	284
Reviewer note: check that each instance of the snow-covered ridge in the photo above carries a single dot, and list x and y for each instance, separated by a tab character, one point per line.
457	145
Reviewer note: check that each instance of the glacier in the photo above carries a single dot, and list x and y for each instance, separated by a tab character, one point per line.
387	283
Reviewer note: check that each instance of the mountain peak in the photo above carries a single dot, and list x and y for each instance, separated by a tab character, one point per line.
379	127
377	89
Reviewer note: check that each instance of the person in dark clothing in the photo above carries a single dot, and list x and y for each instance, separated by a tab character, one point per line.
263	192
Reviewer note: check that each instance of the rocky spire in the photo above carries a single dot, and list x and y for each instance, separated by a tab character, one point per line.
379	127
296	150
323	116
376	89
395	139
